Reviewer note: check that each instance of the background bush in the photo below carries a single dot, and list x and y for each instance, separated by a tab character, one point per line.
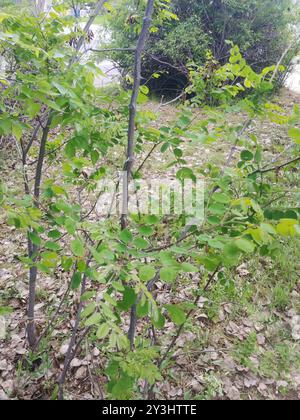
261	28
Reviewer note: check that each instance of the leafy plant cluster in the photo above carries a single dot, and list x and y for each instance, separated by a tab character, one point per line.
261	29
52	113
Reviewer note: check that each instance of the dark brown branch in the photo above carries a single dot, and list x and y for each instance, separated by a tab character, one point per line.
131	134
165	63
132	50
40	161
275	168
32	248
133	103
148	156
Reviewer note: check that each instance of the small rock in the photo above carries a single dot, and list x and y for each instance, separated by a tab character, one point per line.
196	386
3	396
295	325
250	381
64	348
233	394
96	352
76	362
81	373
261	339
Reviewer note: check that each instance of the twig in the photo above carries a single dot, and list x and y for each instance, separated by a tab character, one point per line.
171	102
94	379
275	168
53	318
148	156
70	354
112	50
282	58
177	335
182	70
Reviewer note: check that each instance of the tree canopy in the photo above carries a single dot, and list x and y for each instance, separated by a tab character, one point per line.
192	27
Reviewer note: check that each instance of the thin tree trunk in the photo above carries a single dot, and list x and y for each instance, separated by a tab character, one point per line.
131	134
33	249
133	104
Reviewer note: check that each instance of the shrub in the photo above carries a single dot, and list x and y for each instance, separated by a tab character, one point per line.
259	28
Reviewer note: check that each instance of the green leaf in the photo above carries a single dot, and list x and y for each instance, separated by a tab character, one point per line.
87	295
52	246
178	153
159	322
247	83
142	309
118	286
221	198
3	16
152	219
245	245
176	314
168	274
231	254
33	109
93	320
214	220
185	173
94	157
294	133
140	243
17	131
189	268
147	273
146	230
35	239
211	263
103	331
54	234
76	280
126	236
77	248
246	155
66	263
129	299
5	310
88	310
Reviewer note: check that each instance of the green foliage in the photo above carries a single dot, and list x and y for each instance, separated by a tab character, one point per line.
261	29
124	371
87	126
